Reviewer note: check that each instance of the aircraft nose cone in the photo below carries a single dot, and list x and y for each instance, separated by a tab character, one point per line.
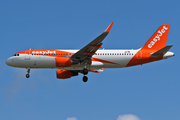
7	62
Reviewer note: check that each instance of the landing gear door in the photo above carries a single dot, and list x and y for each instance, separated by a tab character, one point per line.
139	55
27	55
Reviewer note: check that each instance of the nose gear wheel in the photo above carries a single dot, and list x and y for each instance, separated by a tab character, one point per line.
28	71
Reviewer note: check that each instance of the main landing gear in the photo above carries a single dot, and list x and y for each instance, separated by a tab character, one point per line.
85	79
28	71
85	72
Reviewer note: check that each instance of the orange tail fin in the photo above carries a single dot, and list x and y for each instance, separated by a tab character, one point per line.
158	39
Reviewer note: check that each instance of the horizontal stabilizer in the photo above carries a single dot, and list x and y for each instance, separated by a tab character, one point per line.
161	51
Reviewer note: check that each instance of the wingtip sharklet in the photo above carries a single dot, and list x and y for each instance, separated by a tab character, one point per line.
109	27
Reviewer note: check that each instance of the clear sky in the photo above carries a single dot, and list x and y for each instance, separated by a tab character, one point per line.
147	92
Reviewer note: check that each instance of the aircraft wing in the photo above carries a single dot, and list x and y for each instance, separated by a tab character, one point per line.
85	54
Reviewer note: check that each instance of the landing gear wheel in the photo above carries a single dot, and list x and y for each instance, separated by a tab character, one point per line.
27	75
85	71
85	79
28	71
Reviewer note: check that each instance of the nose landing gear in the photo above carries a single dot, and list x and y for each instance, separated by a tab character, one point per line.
28	71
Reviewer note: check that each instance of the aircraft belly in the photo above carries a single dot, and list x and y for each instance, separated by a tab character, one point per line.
95	64
115	61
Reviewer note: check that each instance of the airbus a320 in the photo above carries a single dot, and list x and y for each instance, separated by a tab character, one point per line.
70	63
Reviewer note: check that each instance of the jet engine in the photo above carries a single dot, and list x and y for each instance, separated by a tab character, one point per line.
64	74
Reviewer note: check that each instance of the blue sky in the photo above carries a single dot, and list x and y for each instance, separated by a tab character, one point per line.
147	92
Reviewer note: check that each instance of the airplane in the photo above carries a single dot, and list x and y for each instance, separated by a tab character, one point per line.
70	63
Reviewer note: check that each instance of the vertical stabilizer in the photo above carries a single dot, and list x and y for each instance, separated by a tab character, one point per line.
158	39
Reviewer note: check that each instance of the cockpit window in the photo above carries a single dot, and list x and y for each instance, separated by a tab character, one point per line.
16	54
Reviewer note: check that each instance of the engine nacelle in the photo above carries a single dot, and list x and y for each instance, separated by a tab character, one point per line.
63	61
64	74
